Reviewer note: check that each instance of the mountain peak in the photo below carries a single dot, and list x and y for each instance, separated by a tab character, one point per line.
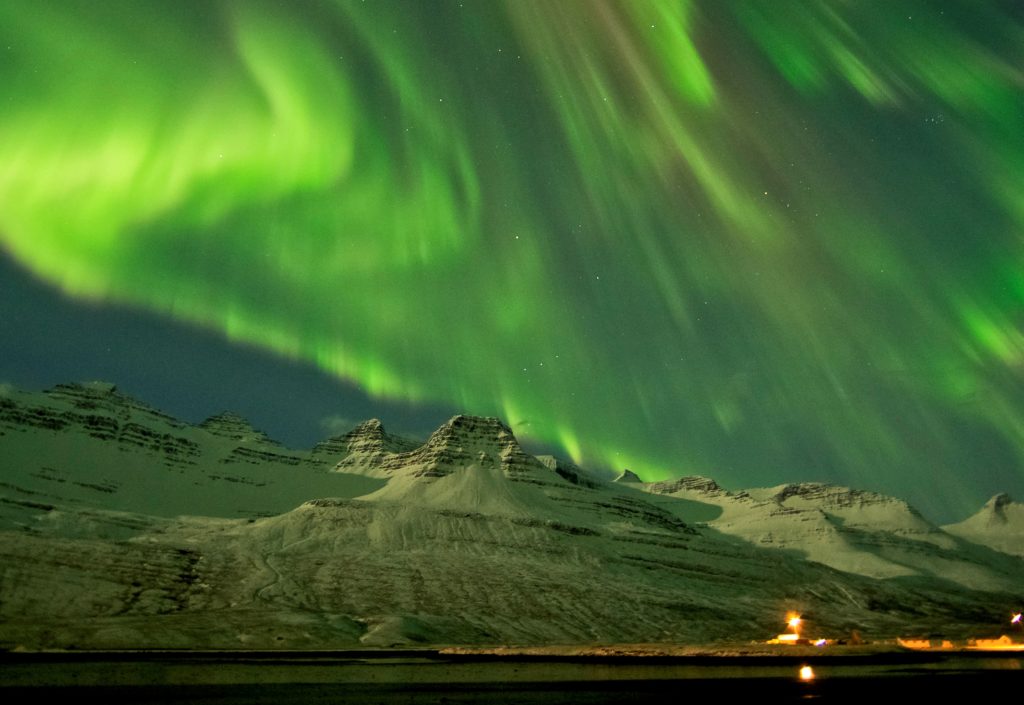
368	435
95	390
690	483
479	433
480	441
999	525
98	396
999	501
228	424
628	476
369	426
366	446
466	425
568	471
995	510
96	386
822	491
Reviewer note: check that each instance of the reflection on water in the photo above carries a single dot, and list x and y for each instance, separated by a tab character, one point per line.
220	679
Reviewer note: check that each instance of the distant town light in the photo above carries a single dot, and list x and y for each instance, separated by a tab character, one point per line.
794	621
806	673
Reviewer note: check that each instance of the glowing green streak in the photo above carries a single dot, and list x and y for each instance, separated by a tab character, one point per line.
745	238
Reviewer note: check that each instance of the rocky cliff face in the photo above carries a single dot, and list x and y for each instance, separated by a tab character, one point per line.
568	471
228	424
371	449
472	441
98	411
104	398
693	484
461	442
839	498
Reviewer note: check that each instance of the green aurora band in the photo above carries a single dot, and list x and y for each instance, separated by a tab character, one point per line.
748	239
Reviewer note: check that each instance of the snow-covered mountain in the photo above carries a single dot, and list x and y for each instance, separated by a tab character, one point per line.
89	446
123	527
850	530
367	449
999	525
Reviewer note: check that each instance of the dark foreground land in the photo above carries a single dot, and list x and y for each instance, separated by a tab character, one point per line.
433	677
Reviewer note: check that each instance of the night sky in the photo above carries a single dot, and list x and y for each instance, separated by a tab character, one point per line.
763	241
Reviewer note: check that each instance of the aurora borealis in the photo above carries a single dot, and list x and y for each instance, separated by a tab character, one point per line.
761	241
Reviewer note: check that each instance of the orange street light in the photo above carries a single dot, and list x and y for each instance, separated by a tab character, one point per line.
794	621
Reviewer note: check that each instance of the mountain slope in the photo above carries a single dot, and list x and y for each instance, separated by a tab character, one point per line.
337	573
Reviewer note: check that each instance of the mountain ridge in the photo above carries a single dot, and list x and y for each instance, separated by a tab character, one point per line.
374	540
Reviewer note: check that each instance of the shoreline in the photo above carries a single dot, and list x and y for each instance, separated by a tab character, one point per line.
754	653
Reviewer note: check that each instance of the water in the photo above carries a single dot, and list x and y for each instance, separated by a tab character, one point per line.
280	678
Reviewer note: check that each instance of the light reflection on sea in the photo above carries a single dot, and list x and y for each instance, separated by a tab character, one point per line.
238	679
